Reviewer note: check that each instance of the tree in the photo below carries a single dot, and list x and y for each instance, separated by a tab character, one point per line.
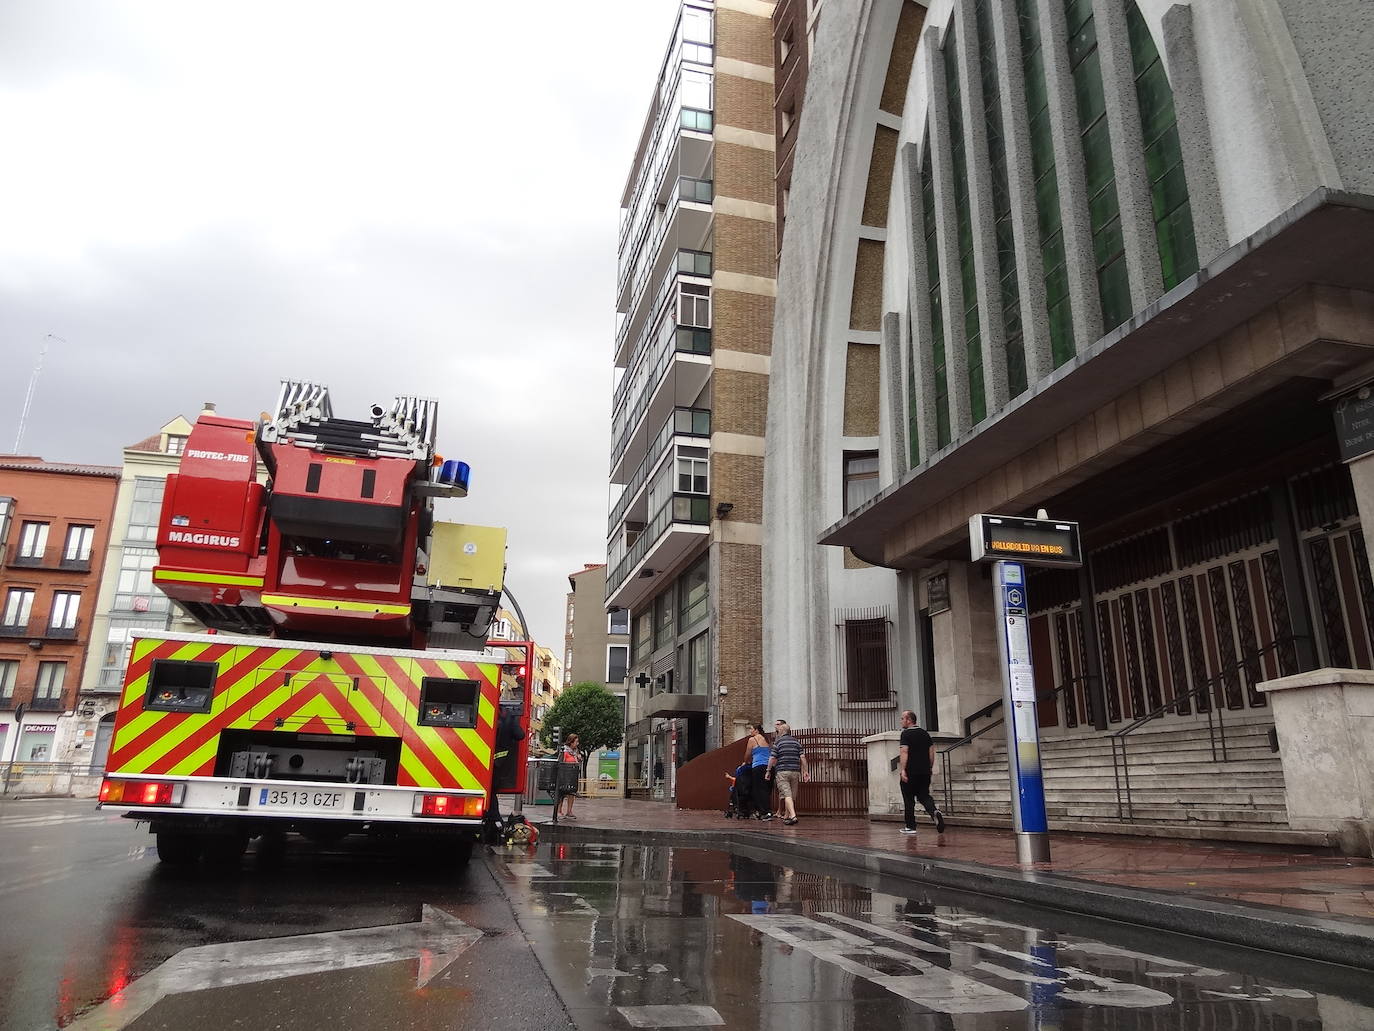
592	713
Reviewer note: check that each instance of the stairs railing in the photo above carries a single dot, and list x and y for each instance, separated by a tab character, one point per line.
1216	724
947	762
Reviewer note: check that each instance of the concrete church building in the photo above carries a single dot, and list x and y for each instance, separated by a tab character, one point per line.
1113	259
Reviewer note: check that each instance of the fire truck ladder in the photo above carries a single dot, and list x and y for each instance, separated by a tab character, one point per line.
306	419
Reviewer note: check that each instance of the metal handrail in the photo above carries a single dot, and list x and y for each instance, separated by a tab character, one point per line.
1216	724
946	763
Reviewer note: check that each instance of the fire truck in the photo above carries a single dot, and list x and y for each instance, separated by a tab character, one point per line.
344	682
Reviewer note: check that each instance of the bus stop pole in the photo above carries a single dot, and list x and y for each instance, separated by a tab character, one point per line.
1022	723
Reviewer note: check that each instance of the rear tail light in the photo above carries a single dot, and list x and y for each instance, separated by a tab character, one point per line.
469	806
142	792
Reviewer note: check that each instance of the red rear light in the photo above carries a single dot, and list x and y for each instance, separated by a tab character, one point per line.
141	792
470	806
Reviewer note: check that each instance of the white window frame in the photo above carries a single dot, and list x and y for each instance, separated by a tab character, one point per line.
9	676
610	650
65	607
33	539
80	538
43	682
18	607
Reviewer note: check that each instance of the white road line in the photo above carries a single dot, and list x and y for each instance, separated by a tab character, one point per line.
671	1016
933	987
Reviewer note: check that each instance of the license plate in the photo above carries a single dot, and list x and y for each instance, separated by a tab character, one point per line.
290	798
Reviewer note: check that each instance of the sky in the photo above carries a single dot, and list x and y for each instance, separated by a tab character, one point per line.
200	199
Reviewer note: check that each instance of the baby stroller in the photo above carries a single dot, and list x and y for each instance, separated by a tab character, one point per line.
738	805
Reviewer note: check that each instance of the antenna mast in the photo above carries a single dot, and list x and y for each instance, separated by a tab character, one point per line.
33	386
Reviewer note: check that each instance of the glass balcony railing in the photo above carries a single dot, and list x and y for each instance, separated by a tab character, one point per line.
690	509
683	422
631	405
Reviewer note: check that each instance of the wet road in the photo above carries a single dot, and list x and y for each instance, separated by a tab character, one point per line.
629	936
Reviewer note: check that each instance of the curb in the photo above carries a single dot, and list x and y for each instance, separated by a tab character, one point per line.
1324	939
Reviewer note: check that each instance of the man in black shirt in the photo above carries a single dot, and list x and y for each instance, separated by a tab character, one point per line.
916	760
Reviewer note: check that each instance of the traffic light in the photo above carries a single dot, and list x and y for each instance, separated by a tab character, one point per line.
557	738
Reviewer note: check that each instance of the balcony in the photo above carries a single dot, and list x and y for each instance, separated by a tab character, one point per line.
40	631
683	216
46	705
684	422
679	526
17	630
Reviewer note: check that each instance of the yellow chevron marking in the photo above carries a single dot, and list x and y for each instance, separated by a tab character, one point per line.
202	755
417	770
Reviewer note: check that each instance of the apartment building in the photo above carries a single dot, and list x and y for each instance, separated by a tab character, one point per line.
128	599
55	521
694	297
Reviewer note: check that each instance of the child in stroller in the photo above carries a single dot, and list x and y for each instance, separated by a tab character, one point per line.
738	805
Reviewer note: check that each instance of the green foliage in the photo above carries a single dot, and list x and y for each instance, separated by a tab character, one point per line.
589	711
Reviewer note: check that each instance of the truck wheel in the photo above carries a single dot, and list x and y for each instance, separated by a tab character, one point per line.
177	848
224	850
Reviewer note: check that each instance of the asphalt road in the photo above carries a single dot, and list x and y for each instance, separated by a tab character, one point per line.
94	934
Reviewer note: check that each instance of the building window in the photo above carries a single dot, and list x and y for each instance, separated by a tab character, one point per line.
860	478
696	25
1173	213
694	305
617	662
18	606
146	509
644	635
176	444
618	622
1104	210
698	664
937	312
973	334
1008	287
65	605
78	546
9	673
1048	218
33	541
865	642
694	594
134	591
693	470
663	620
48	685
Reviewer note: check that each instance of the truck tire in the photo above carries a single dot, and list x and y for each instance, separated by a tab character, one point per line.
224	850
177	848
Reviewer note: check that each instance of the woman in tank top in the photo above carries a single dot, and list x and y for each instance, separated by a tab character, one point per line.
756	751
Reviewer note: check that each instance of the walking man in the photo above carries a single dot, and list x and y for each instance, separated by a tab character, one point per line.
917	759
787	766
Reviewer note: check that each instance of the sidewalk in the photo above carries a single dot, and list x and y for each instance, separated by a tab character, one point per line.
1316	903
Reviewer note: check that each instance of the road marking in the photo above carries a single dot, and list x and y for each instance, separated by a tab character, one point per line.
528	870
933	987
437	939
1106	991
6	823
671	1016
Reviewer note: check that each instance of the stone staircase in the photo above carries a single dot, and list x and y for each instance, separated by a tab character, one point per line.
1177	789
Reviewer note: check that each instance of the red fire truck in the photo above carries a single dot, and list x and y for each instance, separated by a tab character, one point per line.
345	682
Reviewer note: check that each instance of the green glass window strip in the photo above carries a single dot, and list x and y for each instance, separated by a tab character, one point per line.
937	315
968	278
1047	214
1173	213
1104	209
1001	204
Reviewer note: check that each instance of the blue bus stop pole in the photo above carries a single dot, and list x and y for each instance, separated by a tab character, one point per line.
1022	723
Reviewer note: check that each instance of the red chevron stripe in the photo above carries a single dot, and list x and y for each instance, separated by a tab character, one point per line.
458	741
410	734
233	712
229	677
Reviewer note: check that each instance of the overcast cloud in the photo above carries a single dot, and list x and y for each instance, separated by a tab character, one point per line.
203	198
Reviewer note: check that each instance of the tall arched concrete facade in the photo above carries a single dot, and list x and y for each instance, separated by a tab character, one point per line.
825	395
1273	122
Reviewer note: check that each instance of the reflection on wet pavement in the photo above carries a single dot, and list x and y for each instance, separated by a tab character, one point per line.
650	936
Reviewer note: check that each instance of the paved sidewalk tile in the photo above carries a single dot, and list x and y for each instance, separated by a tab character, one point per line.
1303	879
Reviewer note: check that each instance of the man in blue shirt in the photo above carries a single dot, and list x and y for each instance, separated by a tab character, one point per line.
788	761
